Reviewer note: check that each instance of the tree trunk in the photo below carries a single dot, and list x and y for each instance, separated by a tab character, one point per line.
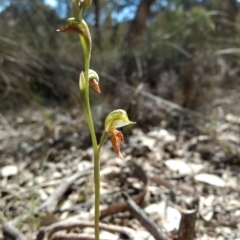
232	9
137	25
188	4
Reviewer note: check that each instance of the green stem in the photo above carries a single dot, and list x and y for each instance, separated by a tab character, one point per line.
88	115
102	141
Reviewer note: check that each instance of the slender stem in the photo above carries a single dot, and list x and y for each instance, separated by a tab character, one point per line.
96	177
102	141
88	115
97	194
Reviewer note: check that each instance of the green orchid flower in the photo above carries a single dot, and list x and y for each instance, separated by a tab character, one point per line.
114	120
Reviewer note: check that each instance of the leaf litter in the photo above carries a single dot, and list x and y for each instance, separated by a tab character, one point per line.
46	176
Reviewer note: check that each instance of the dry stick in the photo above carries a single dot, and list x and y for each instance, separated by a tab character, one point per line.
75	236
187	225
59	192
75	222
11	232
72	236
142	217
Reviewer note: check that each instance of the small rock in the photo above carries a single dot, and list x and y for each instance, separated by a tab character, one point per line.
40	179
9	170
156	208
232	118
56	175
20	120
183	168
66	205
42	194
207	216
163	135
108	235
173	218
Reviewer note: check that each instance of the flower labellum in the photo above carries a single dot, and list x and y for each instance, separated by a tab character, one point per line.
94	84
116	119
116	140
94	80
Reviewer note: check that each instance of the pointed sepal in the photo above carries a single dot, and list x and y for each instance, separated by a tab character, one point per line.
117	140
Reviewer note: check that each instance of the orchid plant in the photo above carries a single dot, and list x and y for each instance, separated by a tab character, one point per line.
89	77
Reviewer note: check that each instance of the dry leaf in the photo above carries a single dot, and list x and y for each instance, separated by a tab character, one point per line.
210	179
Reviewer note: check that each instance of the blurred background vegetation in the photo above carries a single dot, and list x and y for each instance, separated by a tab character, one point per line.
185	51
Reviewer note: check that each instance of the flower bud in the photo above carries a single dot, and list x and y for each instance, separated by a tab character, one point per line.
76	10
79	7
84	4
94	80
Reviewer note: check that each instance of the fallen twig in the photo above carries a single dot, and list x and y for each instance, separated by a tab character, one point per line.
11	232
73	236
187	225
74	222
52	201
141	216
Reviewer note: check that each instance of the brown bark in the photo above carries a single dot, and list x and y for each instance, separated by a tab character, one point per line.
187	225
232	9
137	25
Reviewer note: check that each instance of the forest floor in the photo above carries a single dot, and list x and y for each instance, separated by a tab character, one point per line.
46	177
